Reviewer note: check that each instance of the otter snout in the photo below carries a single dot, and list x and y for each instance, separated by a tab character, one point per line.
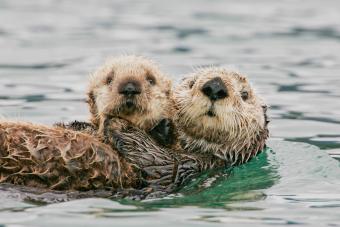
130	88
215	89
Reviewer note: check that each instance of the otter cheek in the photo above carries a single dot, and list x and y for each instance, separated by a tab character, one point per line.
201	104
102	98
260	118
100	101
157	107
196	111
220	112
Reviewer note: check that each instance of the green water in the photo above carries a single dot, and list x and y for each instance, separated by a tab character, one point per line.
292	183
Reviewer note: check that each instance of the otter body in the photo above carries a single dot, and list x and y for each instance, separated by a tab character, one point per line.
55	158
131	88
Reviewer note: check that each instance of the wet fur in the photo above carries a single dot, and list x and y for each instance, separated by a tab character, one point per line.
60	159
56	158
39	156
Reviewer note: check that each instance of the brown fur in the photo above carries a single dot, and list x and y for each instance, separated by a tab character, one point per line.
26	148
57	158
60	159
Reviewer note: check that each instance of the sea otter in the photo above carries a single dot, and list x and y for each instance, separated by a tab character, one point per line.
131	88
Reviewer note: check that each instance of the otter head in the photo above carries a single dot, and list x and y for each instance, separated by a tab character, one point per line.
132	88
219	113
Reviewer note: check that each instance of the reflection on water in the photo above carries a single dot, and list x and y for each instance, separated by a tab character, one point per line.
290	50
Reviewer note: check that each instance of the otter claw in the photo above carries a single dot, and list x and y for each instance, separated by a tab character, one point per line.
118	142
163	132
119	146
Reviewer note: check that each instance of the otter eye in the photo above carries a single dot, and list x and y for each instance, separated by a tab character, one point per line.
191	84
108	80
244	95
151	79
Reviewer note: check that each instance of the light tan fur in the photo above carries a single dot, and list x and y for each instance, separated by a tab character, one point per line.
153	104
238	125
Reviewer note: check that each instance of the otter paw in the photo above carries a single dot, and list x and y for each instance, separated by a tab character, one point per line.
163	132
118	142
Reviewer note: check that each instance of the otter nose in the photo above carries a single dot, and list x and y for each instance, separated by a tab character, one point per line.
129	89
215	89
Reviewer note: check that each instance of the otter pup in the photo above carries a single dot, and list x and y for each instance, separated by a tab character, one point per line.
130	88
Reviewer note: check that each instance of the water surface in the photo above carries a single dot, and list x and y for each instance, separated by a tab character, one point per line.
289	49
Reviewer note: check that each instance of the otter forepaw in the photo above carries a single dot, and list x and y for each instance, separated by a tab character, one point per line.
111	124
163	132
117	141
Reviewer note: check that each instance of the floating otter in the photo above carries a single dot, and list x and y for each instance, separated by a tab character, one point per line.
129	87
235	130
132	88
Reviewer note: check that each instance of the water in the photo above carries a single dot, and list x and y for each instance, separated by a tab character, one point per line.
294	184
289	49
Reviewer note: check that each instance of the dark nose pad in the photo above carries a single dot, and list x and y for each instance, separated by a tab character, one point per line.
215	89
130	88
